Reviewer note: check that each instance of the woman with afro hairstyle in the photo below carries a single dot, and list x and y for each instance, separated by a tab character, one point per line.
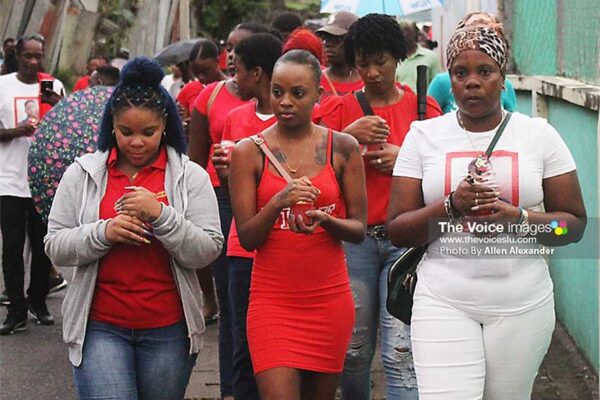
374	45
136	219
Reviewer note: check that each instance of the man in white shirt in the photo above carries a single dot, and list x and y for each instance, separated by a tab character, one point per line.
18	91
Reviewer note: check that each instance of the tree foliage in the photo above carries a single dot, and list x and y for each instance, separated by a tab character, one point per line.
218	17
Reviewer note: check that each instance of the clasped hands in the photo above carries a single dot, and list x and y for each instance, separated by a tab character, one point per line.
302	191
482	203
135	211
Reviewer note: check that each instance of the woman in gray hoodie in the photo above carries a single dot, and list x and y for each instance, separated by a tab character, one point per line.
135	219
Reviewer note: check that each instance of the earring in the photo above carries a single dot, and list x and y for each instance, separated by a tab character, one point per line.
164	134
113	133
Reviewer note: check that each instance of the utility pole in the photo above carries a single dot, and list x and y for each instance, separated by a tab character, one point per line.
184	19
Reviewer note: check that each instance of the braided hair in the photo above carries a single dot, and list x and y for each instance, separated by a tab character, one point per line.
140	87
372	35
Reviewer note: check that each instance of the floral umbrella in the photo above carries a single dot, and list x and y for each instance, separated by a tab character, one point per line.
66	132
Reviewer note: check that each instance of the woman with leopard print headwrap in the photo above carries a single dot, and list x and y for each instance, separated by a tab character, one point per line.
483	311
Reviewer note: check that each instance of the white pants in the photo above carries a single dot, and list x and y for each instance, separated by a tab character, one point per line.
463	356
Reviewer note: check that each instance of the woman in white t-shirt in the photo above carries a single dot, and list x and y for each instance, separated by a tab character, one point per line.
483	310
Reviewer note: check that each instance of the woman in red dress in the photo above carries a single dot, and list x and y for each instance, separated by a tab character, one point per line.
301	311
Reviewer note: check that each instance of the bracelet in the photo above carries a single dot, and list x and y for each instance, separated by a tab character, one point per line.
449	208
522	228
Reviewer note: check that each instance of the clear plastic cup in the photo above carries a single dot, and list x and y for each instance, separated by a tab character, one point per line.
228	146
482	172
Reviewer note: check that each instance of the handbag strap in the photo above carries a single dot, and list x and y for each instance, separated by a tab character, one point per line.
260	142
213	95
330	83
364	103
490	148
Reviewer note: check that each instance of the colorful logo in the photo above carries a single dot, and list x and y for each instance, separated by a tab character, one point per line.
559	227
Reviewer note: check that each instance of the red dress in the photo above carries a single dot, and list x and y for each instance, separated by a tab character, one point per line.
301	311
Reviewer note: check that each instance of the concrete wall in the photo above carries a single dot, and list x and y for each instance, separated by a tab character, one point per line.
562	38
574	268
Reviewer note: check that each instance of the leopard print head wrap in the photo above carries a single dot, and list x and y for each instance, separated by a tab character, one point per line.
482	38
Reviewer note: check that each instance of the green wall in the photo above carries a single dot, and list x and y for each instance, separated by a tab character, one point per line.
576	278
557	37
580	35
534	45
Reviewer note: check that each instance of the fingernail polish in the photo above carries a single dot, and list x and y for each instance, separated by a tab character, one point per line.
148	233
146	241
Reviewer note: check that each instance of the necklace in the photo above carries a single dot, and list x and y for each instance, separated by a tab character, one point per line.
293	171
481	157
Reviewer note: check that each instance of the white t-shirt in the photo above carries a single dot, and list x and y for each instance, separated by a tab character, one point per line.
438	152
18	103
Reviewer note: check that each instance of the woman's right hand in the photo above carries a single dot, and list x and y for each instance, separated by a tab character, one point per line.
298	190
369	129
467	195
127	230
220	157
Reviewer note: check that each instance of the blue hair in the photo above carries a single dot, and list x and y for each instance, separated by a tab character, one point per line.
140	87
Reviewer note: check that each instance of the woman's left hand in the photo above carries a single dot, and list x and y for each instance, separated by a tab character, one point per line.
140	203
298	225
498	212
383	160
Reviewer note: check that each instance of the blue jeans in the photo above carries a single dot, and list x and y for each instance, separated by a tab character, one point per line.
368	266
220	270
134	364
240	273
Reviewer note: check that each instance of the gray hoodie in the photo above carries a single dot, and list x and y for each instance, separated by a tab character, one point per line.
189	229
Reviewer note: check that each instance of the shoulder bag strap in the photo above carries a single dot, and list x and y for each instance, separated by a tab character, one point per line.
364	103
260	142
490	148
328	79
213	95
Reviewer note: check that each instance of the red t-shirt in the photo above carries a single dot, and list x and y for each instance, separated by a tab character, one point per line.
82	83
222	104
188	94
339	112
135	288
342	88
241	123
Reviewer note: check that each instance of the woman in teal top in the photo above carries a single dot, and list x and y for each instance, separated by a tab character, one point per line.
440	89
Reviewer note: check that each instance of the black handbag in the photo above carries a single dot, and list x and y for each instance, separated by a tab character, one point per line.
401	283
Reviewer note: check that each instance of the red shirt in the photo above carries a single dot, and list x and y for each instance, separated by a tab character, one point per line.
188	94
82	83
241	123
222	104
339	112
135	288
341	88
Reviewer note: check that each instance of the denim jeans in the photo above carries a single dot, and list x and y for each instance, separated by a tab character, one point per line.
220	269
368	266
134	364
240	273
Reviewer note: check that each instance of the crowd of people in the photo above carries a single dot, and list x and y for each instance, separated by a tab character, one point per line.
271	190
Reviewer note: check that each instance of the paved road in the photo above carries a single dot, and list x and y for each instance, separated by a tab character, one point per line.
34	366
